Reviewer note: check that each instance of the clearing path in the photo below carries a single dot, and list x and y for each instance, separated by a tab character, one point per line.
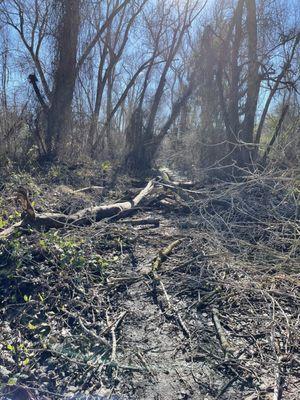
156	306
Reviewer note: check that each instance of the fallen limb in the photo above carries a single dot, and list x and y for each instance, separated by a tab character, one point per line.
225	387
86	216
156	264
114	340
136	222
89	189
220	332
159	259
89	332
114	324
163	254
279	381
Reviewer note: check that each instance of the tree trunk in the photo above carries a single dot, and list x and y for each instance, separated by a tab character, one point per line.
101	80
59	115
253	86
233	111
138	160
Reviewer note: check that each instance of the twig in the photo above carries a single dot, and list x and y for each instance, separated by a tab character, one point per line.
114	340
112	326
278	389
143	361
220	332
163	254
89	332
115	323
225	387
135	222
182	324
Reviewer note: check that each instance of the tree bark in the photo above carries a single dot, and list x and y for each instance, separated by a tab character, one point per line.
275	135
253	86
137	160
59	115
84	217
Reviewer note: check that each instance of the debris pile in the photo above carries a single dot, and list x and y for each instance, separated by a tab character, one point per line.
187	292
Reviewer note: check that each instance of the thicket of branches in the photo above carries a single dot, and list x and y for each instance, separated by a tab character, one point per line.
197	84
172	288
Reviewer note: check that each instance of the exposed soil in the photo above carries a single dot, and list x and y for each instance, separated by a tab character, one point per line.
83	312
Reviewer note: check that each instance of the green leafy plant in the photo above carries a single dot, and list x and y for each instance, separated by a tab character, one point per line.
105	166
71	252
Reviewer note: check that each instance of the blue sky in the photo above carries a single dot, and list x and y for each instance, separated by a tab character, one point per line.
20	65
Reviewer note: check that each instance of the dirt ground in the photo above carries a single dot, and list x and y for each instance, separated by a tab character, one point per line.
84	312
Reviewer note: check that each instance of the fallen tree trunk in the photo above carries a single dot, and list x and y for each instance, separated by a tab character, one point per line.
86	216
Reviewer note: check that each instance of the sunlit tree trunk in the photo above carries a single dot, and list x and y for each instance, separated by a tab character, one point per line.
253	85
59	115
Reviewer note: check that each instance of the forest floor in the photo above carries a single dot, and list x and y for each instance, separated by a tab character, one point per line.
197	299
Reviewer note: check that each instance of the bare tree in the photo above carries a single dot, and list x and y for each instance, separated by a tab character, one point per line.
241	72
113	45
30	19
119	75
143	136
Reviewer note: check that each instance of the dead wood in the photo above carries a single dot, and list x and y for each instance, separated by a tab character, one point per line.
220	332
241	253
89	189
86	216
22	197
163	254
142	221
156	264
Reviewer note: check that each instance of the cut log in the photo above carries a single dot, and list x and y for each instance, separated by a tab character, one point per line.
86	216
